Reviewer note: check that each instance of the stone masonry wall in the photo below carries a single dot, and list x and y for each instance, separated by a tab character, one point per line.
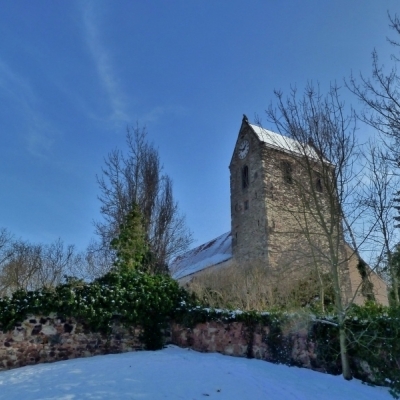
235	339
46	339
41	339
292	226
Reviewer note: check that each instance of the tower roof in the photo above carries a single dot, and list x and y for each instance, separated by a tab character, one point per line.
283	143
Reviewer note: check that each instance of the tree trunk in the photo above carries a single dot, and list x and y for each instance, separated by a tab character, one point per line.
393	274
346	371
396	289
344	356
322	295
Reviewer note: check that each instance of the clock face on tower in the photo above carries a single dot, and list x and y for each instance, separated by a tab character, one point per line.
243	149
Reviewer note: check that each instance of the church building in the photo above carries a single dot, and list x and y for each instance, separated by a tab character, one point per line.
270	224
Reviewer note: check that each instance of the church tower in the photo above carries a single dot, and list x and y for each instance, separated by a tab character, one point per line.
265	173
249	223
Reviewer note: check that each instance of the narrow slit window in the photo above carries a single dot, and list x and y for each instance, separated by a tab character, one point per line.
287	172
245	177
318	184
246	205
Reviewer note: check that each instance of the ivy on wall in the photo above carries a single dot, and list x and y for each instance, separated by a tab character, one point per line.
136	298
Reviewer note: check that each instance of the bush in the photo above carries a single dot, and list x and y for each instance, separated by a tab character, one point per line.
256	287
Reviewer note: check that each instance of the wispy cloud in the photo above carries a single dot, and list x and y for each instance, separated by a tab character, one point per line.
159	112
38	132
104	64
40	137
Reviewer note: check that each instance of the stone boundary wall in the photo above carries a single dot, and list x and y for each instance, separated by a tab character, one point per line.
235	339
41	339
47	339
292	346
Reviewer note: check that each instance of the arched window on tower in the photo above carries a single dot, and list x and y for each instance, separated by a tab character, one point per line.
245	177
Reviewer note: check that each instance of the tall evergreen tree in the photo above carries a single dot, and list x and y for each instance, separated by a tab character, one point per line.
131	246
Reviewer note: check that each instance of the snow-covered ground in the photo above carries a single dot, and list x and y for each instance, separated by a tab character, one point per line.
175	373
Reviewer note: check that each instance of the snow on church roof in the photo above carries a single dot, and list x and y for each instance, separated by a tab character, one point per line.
211	253
281	142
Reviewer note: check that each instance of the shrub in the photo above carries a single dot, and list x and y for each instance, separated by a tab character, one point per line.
256	287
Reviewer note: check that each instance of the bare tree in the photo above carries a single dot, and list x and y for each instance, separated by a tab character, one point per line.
58	260
381	96
137	179
322	174
20	271
379	198
35	266
97	260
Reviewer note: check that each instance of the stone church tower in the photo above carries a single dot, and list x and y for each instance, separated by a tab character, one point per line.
272	221
264	200
270	226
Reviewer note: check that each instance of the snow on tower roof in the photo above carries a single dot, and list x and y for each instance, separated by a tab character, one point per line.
280	142
211	253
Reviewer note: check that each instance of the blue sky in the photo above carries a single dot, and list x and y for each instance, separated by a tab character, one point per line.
74	74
